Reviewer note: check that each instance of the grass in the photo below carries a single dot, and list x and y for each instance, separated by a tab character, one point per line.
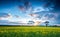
29	31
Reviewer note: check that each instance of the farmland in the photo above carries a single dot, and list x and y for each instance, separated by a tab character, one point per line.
29	31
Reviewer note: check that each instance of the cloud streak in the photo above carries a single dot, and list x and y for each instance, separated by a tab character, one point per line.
5	16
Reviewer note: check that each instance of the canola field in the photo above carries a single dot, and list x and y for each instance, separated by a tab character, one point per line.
29	31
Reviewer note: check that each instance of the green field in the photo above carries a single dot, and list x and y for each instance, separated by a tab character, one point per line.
29	31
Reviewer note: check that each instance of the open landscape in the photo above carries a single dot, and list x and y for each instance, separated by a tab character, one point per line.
33	31
29	18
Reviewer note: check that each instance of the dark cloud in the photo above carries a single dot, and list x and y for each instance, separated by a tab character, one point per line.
47	15
53	7
57	5
4	15
27	4
52	3
30	22
22	8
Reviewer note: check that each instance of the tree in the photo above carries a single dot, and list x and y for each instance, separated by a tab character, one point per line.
46	22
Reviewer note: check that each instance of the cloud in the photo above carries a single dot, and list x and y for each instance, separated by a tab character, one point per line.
20	22
40	9
6	22
26	7
22	8
27	4
52	4
44	16
35	16
56	5
5	16
51	17
17	16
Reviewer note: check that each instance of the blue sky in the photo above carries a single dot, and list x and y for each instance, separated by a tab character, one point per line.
22	11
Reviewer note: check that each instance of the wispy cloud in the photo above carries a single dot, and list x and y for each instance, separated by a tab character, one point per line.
5	16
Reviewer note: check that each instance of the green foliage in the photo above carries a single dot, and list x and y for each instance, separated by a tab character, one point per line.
29	32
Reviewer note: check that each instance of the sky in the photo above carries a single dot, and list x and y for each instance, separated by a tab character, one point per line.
16	12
